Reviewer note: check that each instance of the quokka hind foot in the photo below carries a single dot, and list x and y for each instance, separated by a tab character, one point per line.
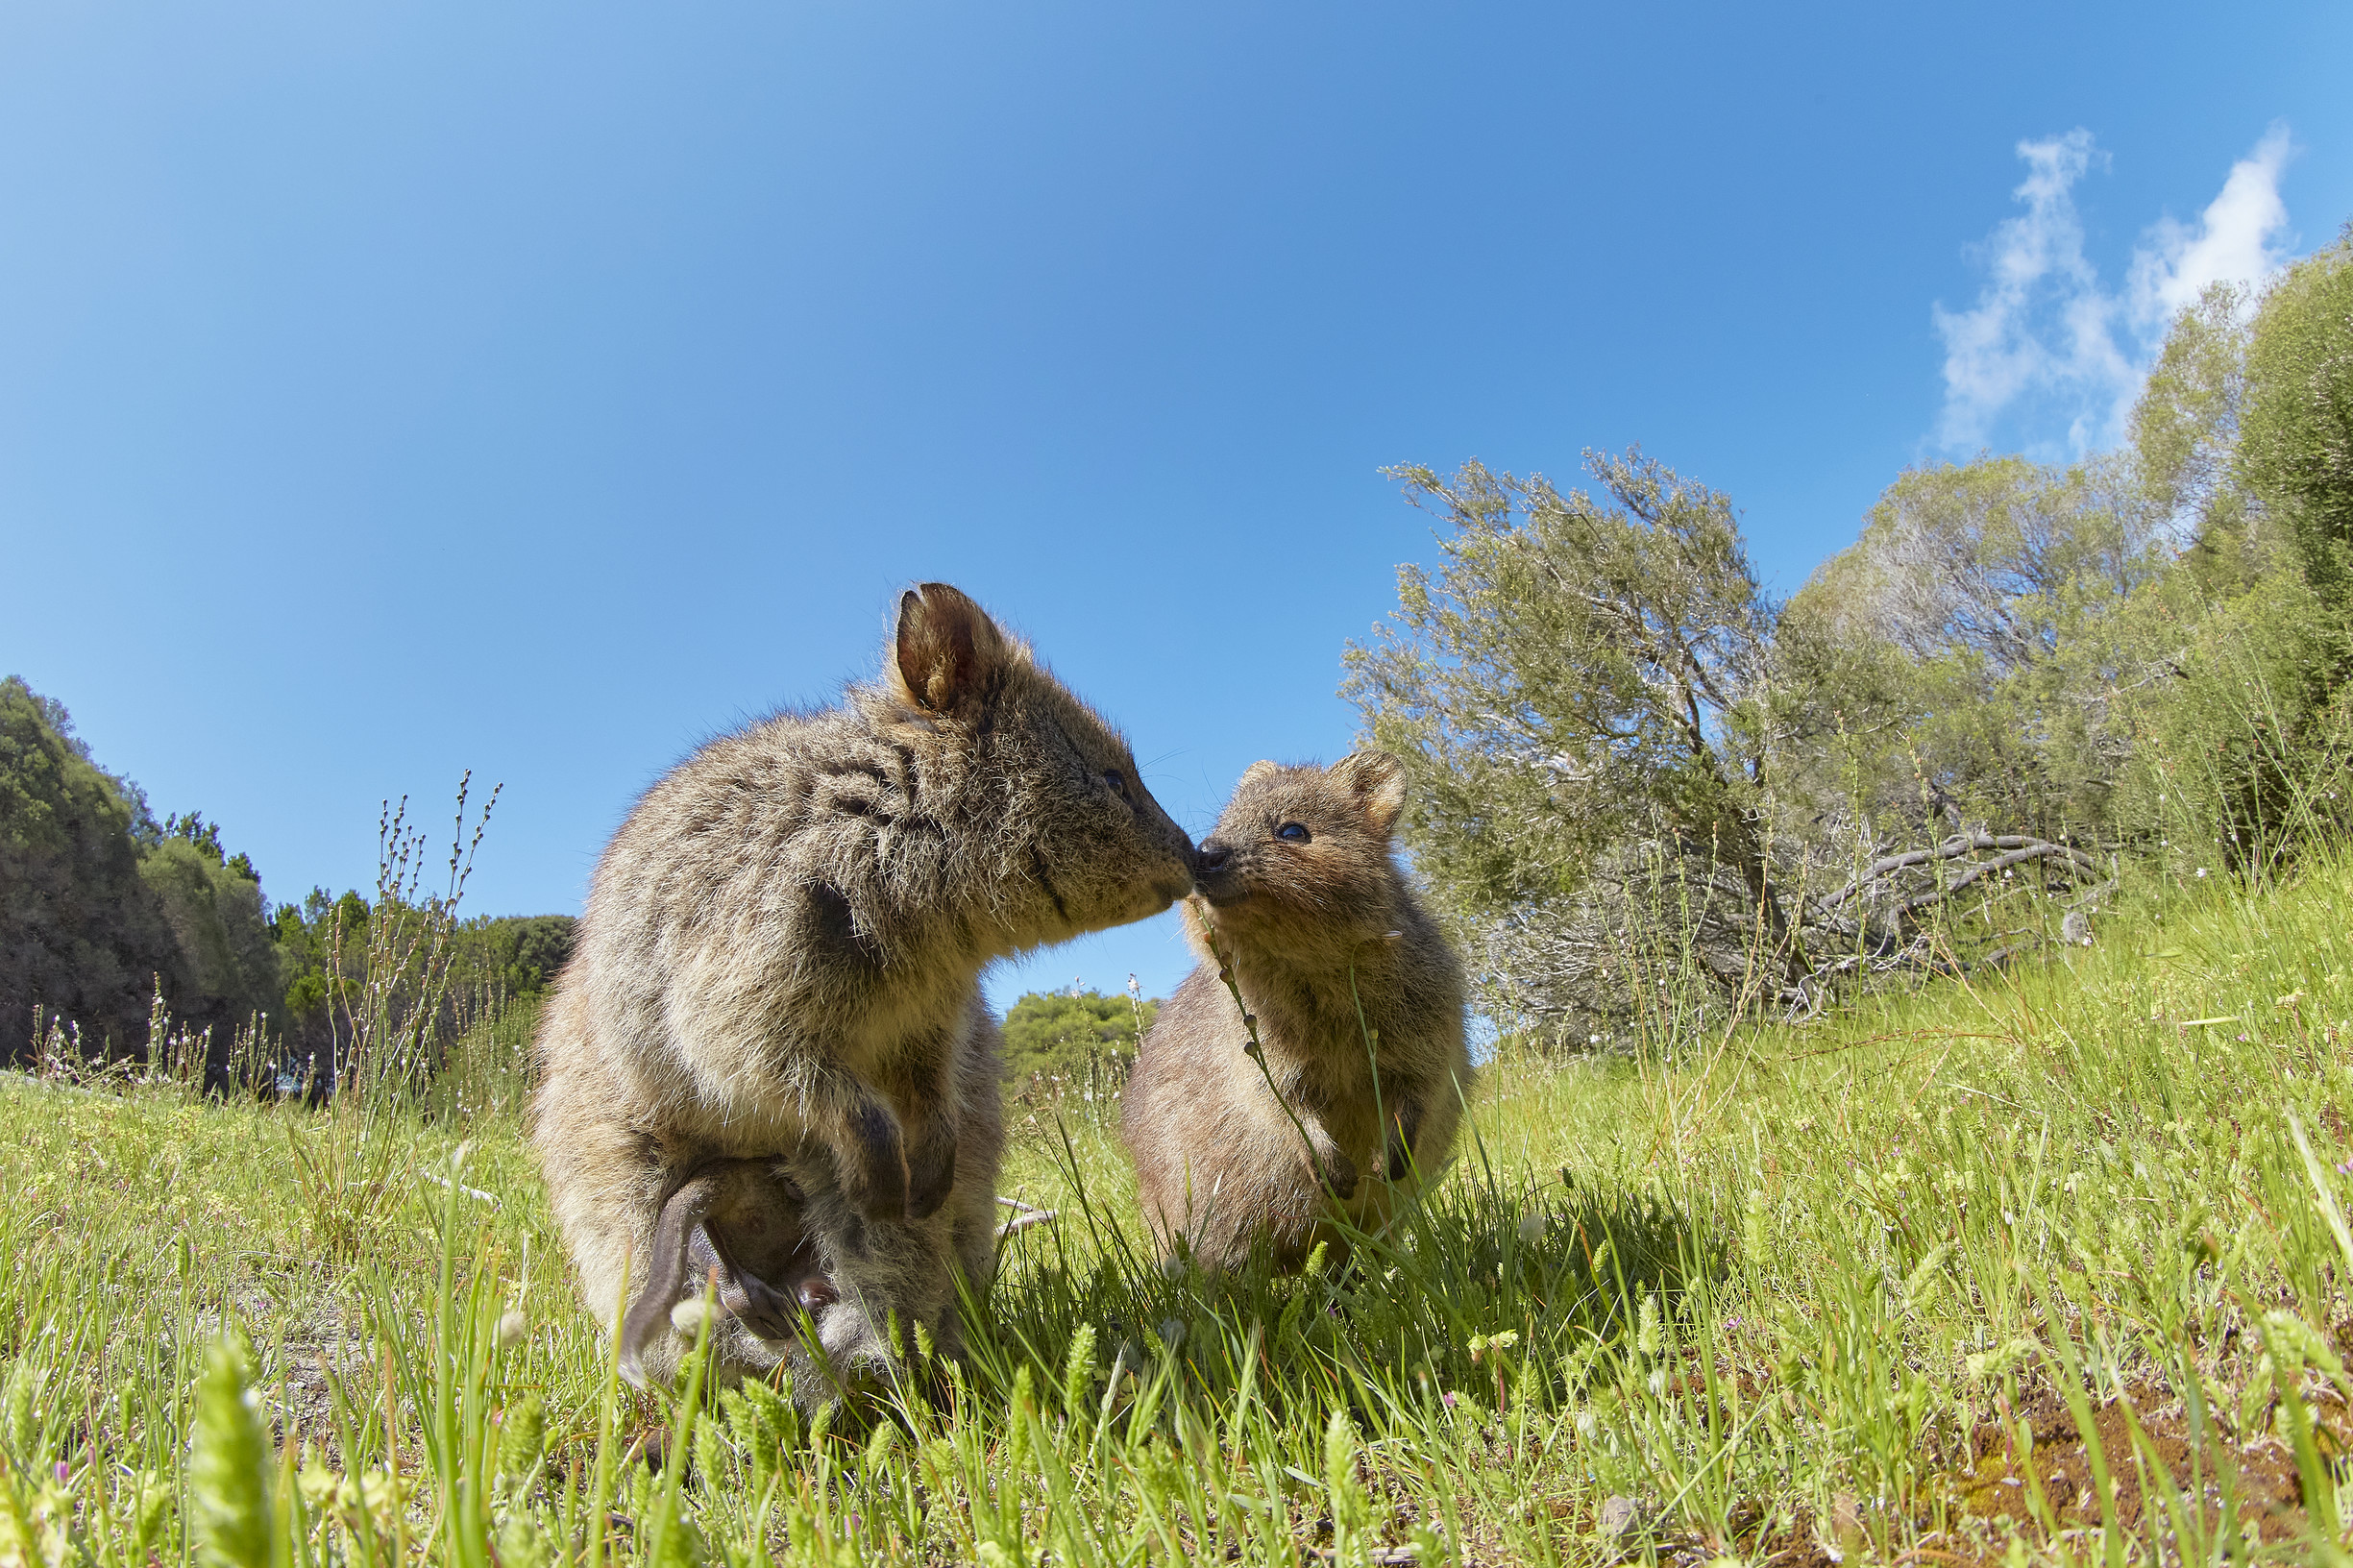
1356	999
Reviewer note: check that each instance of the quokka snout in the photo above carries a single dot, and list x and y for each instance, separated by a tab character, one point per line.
768	1064
1357	1000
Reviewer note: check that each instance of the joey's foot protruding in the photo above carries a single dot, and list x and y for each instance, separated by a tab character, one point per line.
733	1230
665	1282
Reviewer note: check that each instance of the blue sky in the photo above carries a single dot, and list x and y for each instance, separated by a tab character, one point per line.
387	391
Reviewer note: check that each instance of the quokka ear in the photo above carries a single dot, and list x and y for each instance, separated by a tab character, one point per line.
1258	771
945	649
1377	781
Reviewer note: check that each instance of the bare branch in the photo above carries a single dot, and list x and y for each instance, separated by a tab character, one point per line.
1951	848
2038	849
1024	1216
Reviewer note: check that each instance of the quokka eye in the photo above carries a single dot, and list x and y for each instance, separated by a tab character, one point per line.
1116	780
1293	831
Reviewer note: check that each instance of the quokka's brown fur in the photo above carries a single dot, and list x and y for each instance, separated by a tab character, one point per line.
768	1064
1301	898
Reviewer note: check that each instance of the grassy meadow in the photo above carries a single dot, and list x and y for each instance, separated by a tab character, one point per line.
2032	1264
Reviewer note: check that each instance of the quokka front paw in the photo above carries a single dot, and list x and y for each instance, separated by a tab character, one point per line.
873	1166
1404	1127
931	1175
1339	1175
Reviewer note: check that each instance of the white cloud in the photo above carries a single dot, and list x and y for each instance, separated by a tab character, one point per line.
2235	240
2048	348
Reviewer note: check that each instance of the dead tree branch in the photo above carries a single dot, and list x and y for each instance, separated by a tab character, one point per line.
2023	846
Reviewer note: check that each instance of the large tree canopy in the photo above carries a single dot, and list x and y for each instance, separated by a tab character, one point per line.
1582	691
1575	668
1626	755
81	932
2295	442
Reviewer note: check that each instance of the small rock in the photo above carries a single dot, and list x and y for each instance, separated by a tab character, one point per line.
1621	1517
2075	930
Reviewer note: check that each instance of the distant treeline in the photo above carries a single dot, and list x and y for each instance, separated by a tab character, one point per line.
103	907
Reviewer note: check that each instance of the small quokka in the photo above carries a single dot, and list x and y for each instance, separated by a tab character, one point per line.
1299	896
767	1067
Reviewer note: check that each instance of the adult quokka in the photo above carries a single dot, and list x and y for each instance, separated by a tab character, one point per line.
767	1066
1358	1001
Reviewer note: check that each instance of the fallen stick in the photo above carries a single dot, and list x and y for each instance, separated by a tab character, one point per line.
470	1191
1023	1218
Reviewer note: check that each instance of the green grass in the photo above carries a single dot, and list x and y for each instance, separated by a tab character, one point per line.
1862	1289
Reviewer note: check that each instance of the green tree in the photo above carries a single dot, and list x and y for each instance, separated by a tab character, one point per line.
99	905
190	827
231	968
2238	738
2185	437
1958	643
1580	674
1619	745
516	955
81	933
2296	440
322	944
1626	755
2233	676
1059	1034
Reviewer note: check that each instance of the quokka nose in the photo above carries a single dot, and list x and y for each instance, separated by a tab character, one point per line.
1212	858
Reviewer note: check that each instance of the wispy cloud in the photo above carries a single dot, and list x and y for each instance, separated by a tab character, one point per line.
2236	239
2049	356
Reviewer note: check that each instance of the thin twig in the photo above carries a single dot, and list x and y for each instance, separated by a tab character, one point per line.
470	1191
1025	1217
1257	1052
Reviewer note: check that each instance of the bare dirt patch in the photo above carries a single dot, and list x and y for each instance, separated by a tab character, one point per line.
2053	1484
